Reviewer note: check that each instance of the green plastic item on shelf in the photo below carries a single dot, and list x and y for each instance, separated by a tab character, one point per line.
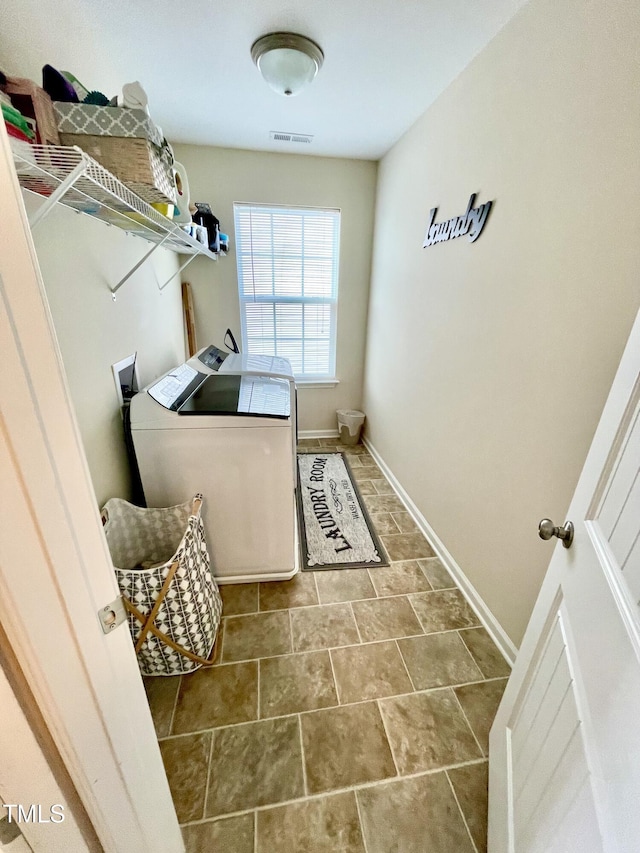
96	99
15	117
81	90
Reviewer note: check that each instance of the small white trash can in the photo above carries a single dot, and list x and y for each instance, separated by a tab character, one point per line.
349	425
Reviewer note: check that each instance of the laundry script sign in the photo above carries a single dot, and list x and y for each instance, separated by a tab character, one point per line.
471	223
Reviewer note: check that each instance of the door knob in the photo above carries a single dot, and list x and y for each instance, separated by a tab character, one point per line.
547	529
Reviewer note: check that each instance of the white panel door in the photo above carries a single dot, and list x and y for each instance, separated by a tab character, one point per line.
565	743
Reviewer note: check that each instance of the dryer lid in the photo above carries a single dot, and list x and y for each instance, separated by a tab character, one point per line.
269	365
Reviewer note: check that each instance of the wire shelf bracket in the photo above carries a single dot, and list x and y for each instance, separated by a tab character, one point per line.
137	266
48	204
177	272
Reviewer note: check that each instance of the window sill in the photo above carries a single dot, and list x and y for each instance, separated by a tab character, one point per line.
317	383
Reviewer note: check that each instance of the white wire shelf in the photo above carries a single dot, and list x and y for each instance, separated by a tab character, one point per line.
67	175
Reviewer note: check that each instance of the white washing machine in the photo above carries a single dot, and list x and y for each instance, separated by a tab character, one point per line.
230	437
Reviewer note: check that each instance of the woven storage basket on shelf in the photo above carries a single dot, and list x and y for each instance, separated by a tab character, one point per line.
162	565
142	166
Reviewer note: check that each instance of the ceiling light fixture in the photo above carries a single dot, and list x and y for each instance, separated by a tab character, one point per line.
288	62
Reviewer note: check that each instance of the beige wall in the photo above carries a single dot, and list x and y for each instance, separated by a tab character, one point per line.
223	176
80	258
499	354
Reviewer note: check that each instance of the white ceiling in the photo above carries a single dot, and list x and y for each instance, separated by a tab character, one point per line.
385	62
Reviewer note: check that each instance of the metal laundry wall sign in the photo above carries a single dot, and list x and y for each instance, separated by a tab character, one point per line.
470	223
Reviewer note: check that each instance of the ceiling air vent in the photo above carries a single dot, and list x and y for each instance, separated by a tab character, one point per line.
281	136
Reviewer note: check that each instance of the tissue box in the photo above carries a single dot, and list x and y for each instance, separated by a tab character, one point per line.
143	167
106	121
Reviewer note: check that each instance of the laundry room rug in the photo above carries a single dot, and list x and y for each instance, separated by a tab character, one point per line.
335	529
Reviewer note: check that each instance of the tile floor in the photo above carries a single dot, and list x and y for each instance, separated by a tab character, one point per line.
348	711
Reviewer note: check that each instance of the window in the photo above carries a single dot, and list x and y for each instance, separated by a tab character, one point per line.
288	284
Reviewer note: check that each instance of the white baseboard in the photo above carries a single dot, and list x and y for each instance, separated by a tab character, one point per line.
484	614
318	433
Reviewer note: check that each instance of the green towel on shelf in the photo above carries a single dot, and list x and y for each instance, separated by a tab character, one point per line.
15	117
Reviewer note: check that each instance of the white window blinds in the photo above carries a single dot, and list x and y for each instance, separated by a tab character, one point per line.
288	284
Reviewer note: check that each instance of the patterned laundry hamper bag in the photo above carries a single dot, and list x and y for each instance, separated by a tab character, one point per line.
162	565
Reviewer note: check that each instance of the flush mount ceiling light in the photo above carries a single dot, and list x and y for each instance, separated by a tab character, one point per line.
287	62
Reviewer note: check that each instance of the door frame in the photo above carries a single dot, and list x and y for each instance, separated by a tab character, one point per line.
56	572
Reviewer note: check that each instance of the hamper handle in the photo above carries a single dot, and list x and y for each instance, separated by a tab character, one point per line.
145	620
196	505
148	623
